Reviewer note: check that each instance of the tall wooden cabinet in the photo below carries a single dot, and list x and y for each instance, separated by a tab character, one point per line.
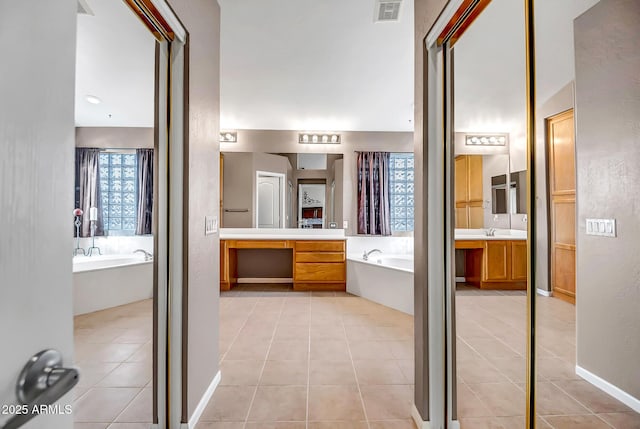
468	191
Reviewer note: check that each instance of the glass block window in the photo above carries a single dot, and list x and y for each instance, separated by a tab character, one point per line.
402	206
118	186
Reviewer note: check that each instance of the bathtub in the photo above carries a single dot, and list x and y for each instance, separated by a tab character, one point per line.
101	282
385	279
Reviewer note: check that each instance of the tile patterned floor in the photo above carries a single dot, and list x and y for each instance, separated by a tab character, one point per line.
114	353
330	360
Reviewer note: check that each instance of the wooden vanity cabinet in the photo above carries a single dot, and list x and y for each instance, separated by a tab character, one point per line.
319	265
468	191
505	263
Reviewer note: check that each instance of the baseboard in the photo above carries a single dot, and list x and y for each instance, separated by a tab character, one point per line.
265	280
195	417
417	418
609	388
544	292
454	424
460	279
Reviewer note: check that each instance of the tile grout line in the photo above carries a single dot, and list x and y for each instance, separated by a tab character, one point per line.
584	405
235	337
355	374
306	420
266	356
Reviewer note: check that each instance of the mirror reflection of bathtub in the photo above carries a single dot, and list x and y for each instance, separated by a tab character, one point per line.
101	282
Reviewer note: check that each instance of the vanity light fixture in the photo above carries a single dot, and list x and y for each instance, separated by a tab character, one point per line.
485	139
319	138
228	136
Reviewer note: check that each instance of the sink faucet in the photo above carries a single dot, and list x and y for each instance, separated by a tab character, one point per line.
147	256
491	232
366	254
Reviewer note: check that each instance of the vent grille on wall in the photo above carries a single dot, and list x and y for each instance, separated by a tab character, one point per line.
387	10
83	8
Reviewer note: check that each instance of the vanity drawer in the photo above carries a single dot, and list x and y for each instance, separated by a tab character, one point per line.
320	257
319	272
320	246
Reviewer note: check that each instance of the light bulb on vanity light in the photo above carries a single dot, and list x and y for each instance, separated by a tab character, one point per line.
314	138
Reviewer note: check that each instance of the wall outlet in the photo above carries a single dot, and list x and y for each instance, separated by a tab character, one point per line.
345	224
601	227
210	225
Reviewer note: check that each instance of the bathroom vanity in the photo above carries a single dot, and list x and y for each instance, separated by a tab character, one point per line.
311	259
494	262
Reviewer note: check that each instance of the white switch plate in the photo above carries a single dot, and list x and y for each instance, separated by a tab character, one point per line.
345	224
601	227
210	225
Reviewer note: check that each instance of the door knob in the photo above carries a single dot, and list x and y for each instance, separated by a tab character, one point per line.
42	381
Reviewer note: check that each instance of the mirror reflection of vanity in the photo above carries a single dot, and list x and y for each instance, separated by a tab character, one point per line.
281	190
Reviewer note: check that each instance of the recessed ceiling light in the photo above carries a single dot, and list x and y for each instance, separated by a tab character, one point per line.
93	99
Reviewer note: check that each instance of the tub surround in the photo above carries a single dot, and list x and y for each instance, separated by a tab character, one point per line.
101	282
318	256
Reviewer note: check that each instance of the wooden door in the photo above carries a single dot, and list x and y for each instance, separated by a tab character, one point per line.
562	195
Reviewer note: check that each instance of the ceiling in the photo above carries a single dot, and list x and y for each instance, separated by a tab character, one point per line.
326	65
115	62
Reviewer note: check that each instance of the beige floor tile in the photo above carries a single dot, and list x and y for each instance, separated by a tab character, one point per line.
128	374
334	331
279	403
379	372
291	332
622	420
326	372
387	402
229	403
92	372
275	425
492	423
248	348
130	426
469	405
592	397
240	372
285	372
220	425
392	424
329	350
481	371
335	403
576	422
553	401
371	350
103	404
491	348
140	410
143	354
105	352
502	399
553	368
338	425
289	349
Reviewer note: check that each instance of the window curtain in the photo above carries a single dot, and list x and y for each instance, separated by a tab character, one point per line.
374	205
145	191
88	188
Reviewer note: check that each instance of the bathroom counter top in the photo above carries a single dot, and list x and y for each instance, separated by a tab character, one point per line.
281	234
480	234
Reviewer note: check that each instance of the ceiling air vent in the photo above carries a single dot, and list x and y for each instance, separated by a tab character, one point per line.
387	10
83	8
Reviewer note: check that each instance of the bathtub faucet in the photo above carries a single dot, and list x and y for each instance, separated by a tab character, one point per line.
366	254
147	256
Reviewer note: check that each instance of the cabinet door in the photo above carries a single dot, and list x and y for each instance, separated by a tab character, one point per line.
461	179
224	268
497	260
474	186
519	260
476	215
462	217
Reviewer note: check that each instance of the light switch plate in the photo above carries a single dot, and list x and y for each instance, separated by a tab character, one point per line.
345	224
210	225
601	227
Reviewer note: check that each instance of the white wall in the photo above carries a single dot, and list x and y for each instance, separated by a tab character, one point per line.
37	47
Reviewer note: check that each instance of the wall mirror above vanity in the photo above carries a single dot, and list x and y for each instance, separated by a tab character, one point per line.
287	190
484	198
